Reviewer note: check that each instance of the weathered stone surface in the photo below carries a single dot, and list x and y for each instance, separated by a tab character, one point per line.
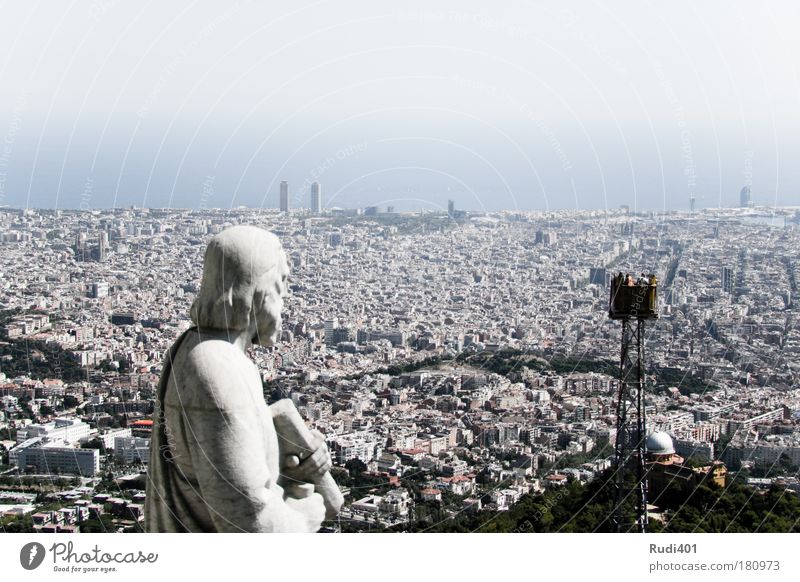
215	463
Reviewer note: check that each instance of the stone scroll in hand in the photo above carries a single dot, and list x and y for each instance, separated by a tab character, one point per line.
295	439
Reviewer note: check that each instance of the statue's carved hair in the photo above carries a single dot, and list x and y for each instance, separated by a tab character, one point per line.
236	260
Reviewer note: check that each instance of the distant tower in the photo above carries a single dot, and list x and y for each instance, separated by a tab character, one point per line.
727	279
316	198
451	208
102	247
745	198
285	196
330	326
80	247
597	276
691	203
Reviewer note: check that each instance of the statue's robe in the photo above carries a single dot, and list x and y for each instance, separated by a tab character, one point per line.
214	456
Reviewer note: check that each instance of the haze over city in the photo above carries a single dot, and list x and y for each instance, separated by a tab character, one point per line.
525	106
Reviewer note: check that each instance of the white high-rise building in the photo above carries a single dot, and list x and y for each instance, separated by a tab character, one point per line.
67	431
316	198
284	196
746	198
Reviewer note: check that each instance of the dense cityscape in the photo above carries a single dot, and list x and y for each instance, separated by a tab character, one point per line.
461	364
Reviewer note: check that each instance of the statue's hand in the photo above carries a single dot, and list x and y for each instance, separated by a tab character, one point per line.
312	467
312	508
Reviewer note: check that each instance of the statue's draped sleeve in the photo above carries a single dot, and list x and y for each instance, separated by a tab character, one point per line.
229	457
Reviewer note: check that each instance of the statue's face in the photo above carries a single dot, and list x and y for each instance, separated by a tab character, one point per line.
267	307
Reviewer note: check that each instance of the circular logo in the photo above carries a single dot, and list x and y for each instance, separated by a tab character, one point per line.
31	555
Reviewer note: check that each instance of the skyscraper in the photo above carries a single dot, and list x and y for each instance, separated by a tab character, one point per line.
330	326
316	198
451	208
597	276
102	246
727	279
745	198
80	247
284	196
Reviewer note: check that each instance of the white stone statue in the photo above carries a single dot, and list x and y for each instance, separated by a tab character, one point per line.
216	463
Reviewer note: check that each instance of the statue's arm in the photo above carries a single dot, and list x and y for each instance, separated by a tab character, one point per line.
229	458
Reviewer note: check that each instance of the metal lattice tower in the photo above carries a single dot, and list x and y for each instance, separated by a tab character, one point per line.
632	302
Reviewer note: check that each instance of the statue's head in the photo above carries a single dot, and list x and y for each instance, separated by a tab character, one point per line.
245	273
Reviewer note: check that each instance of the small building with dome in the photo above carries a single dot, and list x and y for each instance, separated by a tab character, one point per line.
659	445
665	468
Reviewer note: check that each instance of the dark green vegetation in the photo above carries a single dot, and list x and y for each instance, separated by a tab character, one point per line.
505	362
406	367
7	315
510	362
686	383
588	508
39	360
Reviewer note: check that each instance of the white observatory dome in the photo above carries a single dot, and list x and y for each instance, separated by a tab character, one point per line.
660	443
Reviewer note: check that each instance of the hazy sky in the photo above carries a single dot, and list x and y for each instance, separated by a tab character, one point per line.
527	105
